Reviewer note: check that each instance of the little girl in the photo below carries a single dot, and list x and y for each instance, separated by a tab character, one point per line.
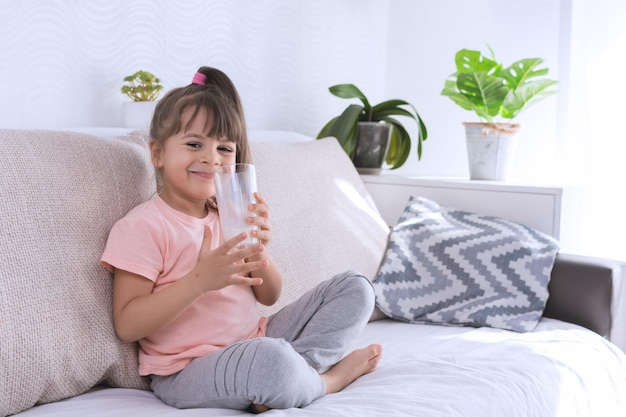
189	297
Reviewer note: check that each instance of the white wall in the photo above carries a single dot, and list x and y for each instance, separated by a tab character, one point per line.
63	61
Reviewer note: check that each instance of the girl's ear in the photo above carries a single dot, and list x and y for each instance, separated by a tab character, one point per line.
156	152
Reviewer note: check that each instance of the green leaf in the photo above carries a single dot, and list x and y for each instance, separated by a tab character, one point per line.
345	128
484	91
453	93
394	148
422	136
397	111
525	95
324	133
400	146
467	60
391	108
520	71
349	91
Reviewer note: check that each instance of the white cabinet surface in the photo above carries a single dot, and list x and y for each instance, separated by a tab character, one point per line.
535	206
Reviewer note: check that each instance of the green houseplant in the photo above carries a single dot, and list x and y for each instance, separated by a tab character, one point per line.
143	89
496	94
490	90
353	119
142	86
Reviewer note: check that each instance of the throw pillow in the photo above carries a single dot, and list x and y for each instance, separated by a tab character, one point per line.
447	266
61	194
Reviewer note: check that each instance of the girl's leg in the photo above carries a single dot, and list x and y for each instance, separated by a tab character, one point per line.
325	321
259	371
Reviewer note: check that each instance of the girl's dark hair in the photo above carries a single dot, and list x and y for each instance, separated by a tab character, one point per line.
218	97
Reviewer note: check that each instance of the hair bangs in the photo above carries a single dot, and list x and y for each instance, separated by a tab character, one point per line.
222	120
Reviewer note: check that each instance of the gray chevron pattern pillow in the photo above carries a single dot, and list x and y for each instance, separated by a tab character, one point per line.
447	266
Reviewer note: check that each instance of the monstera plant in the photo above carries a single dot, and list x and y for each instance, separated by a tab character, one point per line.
496	94
484	86
345	127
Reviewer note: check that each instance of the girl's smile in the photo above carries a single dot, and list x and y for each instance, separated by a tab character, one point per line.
187	161
202	174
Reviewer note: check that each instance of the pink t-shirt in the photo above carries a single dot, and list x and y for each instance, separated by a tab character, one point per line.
162	244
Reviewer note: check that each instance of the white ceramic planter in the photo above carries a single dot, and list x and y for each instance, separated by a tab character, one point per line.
137	114
490	149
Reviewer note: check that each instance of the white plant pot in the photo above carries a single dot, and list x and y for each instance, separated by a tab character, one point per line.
490	149
137	114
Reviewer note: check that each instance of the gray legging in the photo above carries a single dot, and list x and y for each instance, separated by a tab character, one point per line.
281	370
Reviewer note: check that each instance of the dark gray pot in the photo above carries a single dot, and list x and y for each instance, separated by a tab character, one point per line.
371	147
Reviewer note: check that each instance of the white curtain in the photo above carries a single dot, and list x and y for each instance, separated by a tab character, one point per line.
592	137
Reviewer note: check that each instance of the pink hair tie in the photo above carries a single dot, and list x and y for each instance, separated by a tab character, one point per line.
198	78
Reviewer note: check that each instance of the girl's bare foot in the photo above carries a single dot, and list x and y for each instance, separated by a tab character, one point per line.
359	362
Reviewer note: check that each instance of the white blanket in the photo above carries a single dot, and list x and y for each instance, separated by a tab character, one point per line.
434	371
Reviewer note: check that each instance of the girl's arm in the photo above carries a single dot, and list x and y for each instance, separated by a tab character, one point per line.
137	311
269	292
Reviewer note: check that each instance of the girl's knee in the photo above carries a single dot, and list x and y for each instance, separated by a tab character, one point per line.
280	376
274	361
358	284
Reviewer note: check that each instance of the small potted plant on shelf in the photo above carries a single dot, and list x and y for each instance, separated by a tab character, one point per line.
494	93
142	86
143	89
370	135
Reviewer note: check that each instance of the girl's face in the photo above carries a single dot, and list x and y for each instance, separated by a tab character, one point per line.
187	161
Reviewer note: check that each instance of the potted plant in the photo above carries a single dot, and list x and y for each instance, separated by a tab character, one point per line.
494	93
143	89
370	135
142	86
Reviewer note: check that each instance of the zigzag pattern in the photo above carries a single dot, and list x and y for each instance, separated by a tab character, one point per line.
453	267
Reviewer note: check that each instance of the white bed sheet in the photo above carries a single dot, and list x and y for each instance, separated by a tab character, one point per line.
435	371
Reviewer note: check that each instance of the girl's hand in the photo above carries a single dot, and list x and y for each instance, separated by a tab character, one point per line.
138	312
224	266
261	220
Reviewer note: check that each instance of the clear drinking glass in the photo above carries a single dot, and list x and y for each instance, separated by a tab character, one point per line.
235	187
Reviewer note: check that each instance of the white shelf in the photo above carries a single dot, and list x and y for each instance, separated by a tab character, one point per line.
535	206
